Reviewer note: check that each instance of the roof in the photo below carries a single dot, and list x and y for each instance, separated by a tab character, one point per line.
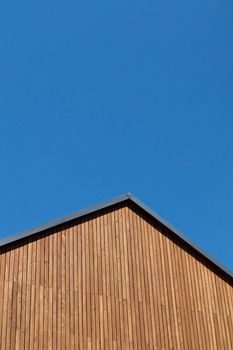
106	204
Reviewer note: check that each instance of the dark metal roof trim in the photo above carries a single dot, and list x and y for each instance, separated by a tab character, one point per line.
106	204
62	220
181	236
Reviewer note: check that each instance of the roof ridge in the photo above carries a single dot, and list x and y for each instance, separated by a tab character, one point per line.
111	202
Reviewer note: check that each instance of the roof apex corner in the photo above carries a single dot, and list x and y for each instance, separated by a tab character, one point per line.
116	200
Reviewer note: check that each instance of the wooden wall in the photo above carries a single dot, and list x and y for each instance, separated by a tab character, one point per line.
111	281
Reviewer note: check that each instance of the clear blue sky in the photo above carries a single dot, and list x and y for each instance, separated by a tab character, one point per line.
98	98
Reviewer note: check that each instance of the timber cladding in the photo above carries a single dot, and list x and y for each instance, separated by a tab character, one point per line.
114	279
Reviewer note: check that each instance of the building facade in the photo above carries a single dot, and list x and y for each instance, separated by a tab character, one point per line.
114	276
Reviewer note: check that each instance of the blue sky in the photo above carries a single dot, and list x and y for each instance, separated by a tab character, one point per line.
98	98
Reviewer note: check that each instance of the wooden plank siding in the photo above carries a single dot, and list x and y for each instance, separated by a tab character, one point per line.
114	279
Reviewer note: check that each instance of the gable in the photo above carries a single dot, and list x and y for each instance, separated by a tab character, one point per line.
112	278
130	199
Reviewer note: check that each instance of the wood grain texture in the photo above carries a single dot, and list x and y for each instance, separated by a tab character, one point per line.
111	280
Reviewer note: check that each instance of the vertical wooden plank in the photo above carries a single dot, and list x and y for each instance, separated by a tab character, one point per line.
2	285
209	308
28	283
219	301
205	328
24	296
110	238
76	287
191	301
46	292
147	256
67	289
156	296
173	296
140	295
88	289
12	295
131	282
71	288
59	257
10	298
92	284
216	316
51	300
63	289
211	302
127	277
187	299
19	300
41	291
229	306
104	294
148	304
196	301
107	234
80	290
223	313
5	301
160	286
199	310
166	302
84	291
121	281
180	296
37	295
116	284
98	286
134	274
33	297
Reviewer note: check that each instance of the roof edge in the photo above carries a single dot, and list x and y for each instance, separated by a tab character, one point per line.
116	200
62	220
183	238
